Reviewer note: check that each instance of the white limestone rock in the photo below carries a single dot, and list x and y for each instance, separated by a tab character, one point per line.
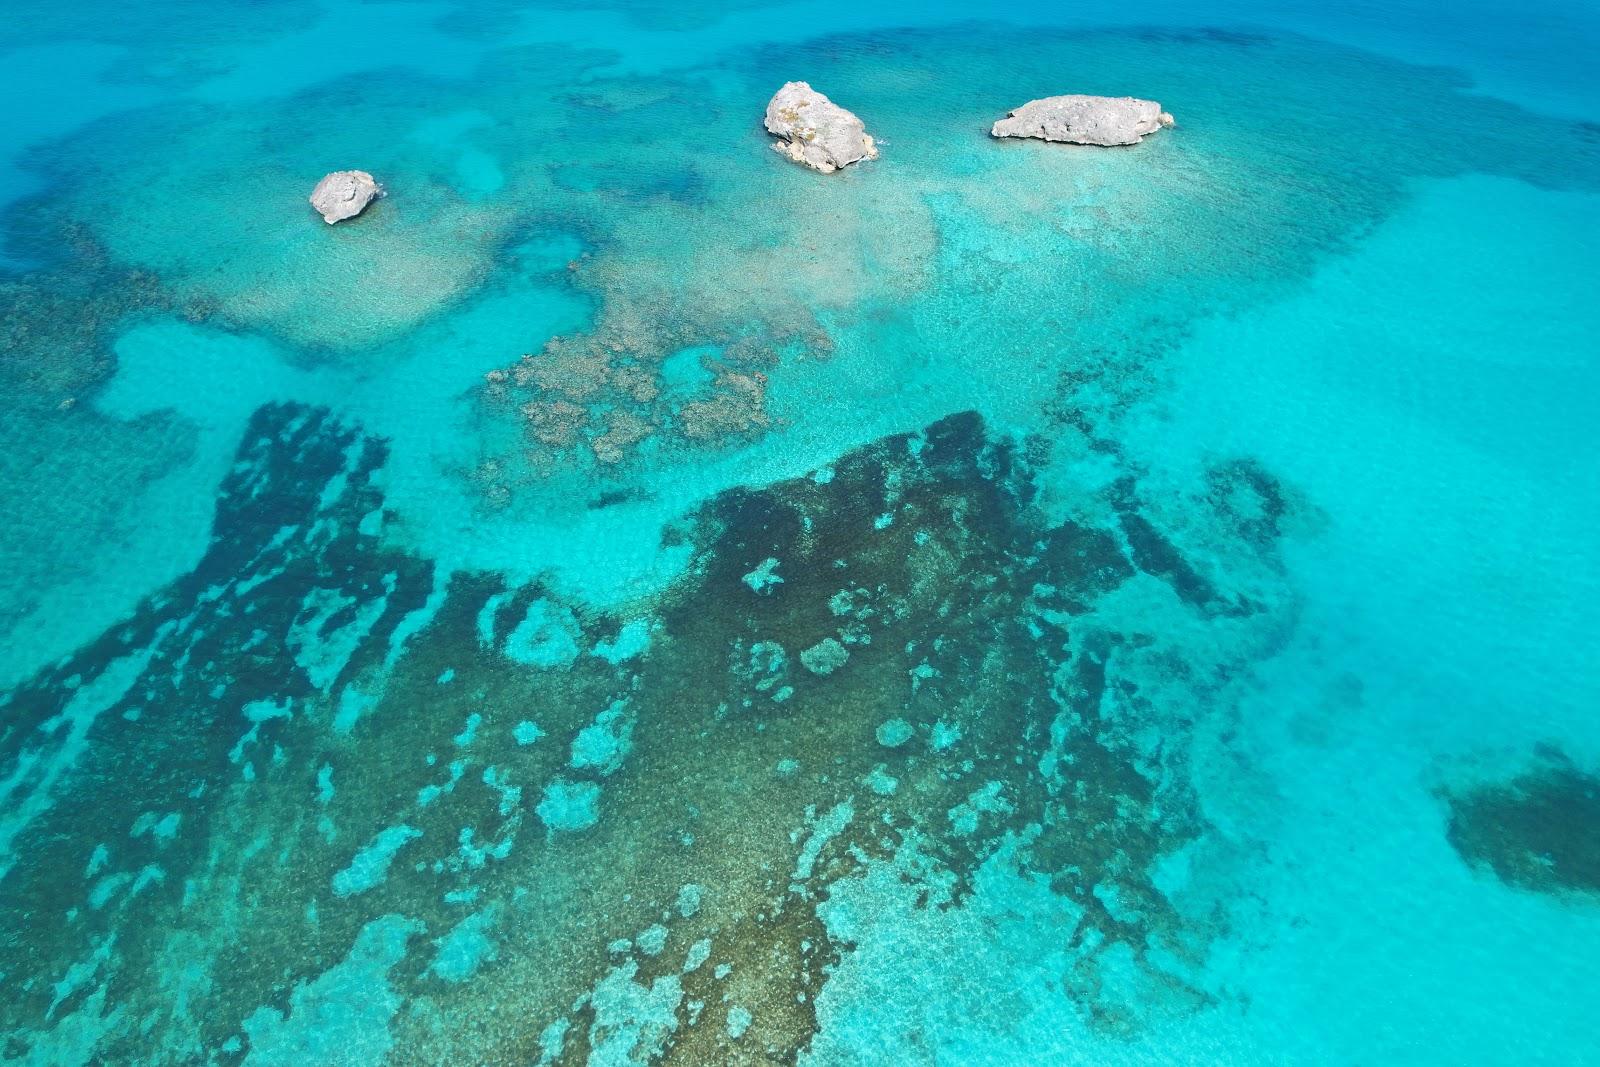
344	194
1076	119
815	132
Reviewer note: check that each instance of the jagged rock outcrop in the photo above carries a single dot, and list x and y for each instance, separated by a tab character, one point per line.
816	132
1076	119
344	194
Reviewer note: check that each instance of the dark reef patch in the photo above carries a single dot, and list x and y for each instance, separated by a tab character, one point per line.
1537	830
58	322
159	704
900	648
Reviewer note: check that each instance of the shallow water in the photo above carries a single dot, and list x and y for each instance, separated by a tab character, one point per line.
626	598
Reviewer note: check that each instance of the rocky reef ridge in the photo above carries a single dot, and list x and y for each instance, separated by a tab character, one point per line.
344	194
1077	119
814	131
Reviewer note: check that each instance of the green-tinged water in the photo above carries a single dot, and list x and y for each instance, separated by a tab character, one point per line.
627	598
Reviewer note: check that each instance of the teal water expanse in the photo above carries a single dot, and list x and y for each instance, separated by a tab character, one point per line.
626	598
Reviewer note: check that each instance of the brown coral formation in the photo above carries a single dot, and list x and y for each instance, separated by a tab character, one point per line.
623	430
601	395
556	423
734	407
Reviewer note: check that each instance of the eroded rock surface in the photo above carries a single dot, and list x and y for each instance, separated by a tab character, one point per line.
816	132
1077	119
344	194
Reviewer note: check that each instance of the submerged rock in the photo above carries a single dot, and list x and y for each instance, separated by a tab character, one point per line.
815	131
1075	119
344	194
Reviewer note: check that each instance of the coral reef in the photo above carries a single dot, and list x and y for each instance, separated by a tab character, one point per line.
965	688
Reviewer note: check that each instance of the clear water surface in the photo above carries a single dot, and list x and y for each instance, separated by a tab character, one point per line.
628	599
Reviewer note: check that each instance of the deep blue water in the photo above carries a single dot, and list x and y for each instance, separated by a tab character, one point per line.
627	598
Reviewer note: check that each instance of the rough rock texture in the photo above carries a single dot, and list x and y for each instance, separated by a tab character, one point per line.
815	131
344	194
1098	120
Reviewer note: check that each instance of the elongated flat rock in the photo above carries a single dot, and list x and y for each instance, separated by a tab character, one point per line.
814	131
344	194
1076	119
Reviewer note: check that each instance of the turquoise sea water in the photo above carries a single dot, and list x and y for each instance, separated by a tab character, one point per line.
628	599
